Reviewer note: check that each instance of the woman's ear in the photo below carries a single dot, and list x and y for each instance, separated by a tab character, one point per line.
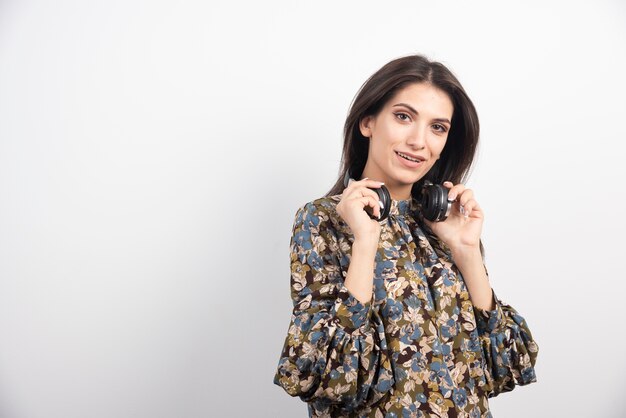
364	126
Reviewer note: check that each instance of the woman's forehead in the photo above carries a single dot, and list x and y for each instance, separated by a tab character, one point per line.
423	97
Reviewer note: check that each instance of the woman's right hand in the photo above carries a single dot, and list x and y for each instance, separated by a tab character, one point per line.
355	197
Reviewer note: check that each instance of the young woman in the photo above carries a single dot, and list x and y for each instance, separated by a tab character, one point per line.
396	318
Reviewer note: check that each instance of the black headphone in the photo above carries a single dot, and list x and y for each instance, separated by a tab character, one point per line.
433	201
383	196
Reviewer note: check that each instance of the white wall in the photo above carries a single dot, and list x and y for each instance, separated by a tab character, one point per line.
153	155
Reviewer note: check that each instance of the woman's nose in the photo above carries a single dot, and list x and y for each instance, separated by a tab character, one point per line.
417	139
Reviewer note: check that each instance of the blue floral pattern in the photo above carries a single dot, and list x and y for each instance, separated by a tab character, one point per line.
419	348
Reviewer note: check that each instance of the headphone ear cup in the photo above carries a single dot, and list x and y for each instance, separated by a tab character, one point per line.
426	202
443	203
385	198
434	202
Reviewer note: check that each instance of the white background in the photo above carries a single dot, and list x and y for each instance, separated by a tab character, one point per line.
153	155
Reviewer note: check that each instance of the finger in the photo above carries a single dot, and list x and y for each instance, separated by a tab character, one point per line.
465	196
370	183
472	207
464	211
363	186
352	181
455	191
355	184
371	203
361	191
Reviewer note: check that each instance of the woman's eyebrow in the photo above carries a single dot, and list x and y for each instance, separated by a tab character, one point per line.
415	112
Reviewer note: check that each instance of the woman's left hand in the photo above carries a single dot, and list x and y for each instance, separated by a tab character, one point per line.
461	230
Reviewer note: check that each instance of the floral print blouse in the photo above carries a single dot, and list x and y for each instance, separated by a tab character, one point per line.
418	348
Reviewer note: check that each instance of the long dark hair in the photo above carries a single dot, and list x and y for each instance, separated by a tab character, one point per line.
458	154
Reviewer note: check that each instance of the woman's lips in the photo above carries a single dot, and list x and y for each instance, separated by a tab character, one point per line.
408	163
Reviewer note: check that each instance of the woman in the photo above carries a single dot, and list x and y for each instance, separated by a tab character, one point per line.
396	318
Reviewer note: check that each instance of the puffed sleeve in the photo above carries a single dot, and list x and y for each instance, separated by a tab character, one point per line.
508	348
335	354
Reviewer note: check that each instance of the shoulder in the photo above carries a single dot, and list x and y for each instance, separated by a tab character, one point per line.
325	204
320	214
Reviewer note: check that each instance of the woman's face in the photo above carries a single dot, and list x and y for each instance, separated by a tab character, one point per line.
414	122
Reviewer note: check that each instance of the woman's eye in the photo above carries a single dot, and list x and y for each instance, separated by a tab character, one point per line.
439	127
402	116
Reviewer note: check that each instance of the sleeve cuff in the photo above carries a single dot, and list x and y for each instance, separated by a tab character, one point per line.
488	321
351	313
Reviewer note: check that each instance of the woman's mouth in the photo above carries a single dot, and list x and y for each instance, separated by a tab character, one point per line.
409	161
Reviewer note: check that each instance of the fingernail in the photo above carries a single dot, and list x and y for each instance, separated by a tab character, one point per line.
451	197
462	210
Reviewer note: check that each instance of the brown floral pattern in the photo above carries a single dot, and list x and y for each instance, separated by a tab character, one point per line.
419	348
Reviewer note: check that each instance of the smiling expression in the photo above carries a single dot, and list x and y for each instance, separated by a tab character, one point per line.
414	122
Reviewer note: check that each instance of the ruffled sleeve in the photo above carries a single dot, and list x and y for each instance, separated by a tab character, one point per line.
335	354
508	348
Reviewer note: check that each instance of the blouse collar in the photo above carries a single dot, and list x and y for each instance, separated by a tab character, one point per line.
404	207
